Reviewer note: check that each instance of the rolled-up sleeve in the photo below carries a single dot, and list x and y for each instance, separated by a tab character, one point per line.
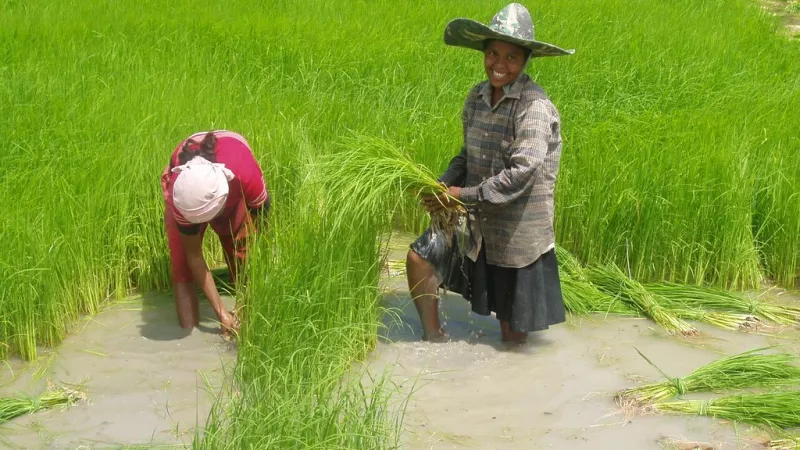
534	127
254	186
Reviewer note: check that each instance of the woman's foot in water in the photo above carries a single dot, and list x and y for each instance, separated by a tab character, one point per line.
435	337
510	336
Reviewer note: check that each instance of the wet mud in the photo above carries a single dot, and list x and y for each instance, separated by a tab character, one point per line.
557	390
151	384
148	382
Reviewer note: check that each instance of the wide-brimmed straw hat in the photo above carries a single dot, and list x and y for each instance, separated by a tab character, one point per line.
512	24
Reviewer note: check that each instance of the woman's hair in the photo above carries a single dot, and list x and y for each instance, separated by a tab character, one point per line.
204	148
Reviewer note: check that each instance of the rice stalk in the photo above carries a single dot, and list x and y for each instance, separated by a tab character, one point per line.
718	299
611	280
12	407
744	370
776	409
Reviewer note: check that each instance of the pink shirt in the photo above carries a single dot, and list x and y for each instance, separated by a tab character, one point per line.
248	183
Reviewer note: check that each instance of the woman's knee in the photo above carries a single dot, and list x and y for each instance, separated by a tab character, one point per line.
417	264
413	259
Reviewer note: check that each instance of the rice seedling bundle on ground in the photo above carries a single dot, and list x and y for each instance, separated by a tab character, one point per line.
581	297
749	369
784	443
16	406
611	280
776	410
714	299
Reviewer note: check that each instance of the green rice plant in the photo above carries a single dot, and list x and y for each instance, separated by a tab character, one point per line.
776	410
569	265
708	298
13	407
744	370
716	204
611	280
581	297
309	314
372	174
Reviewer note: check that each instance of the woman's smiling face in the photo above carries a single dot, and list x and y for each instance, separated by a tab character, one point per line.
503	62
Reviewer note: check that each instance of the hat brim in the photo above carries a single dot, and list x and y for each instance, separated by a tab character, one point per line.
471	34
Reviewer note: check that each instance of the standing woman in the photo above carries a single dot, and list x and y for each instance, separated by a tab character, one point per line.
212	179
505	174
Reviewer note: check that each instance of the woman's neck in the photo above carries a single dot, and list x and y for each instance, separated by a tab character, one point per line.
497	94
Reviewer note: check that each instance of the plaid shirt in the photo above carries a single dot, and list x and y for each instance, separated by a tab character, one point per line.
508	168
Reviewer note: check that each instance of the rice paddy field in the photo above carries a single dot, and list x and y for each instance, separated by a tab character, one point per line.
681	164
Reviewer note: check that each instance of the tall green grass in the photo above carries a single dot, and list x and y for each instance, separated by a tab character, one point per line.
677	125
311	309
680	155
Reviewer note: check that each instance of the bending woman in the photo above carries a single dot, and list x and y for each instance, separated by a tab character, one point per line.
212	179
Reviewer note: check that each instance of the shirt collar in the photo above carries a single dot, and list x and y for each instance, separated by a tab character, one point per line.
511	90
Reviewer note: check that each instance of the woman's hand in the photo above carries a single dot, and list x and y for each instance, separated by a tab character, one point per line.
436	203
230	324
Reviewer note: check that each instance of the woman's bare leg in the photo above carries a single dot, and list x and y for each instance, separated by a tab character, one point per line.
186	304
423	286
511	336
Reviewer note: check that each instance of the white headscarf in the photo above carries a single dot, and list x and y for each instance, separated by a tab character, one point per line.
200	190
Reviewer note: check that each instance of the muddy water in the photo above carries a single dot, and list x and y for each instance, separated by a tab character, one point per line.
148	381
151	384
475	392
788	13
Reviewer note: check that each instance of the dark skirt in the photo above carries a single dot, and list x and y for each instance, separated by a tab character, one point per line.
528	297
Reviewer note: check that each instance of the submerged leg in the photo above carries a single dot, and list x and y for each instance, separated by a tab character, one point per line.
512	336
423	285
186	304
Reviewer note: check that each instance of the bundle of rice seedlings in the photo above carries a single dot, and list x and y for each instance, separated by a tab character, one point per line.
776	409
680	444
11	407
784	443
371	174
722	319
611	280
744	370
569	265
581	297
720	300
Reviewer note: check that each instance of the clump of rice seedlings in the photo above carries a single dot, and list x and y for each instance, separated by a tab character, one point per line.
718	299
721	319
611	280
568	264
581	297
679	444
784	443
744	370
12	407
775	409
372	173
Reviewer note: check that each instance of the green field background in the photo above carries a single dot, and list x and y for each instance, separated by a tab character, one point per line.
681	159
